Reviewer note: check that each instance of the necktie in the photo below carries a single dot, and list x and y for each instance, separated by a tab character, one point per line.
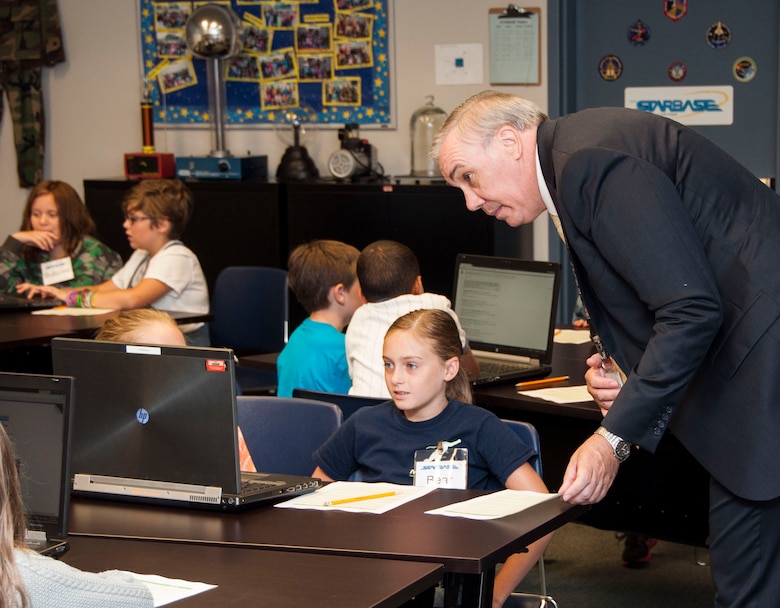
557	223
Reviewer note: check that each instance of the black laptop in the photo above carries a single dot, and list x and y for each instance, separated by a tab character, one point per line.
20	303
507	308
35	412
158	424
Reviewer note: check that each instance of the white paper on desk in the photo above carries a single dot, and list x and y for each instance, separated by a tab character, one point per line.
560	394
340	490
571	336
67	311
494	505
166	590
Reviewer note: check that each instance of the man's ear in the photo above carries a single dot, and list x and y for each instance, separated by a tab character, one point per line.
508	139
417	288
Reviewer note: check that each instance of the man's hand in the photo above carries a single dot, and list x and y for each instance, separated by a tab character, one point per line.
590	473
603	390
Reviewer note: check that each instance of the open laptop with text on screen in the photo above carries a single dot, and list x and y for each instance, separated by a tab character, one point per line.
507	308
158	424
35	411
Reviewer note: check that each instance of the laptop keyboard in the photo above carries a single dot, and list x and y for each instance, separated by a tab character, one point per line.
496	368
254	485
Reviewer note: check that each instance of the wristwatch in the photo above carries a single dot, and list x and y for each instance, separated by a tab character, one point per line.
620	447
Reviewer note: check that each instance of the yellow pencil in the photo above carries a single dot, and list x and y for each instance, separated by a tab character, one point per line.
342	501
541	383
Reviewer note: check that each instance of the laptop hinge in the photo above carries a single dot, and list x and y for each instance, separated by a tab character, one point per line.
36	536
164	490
522	359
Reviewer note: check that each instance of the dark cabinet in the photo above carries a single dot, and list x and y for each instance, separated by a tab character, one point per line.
431	219
258	223
233	223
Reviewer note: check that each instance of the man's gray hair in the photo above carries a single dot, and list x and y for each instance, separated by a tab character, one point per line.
479	118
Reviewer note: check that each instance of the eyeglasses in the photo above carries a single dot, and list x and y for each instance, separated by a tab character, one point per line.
137	218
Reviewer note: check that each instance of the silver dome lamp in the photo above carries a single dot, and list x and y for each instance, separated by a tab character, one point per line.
214	33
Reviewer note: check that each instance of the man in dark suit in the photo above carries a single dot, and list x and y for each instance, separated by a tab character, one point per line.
676	249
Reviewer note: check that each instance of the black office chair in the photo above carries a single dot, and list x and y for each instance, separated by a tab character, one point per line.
349	404
250	308
282	433
530	436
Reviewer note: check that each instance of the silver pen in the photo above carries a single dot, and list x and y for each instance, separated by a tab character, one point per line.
608	367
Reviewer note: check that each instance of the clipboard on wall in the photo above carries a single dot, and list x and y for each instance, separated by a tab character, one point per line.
515	45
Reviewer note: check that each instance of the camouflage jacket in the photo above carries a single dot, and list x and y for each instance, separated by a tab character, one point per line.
93	263
30	32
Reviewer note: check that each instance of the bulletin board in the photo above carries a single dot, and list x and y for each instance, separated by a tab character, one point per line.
330	57
605	48
601	51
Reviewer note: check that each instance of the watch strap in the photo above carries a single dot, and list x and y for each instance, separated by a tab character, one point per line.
620	447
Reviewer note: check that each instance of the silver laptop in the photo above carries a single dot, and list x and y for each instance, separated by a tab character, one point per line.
507	308
35	411
158	424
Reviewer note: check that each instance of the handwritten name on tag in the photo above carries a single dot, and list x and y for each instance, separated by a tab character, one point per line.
57	271
442	468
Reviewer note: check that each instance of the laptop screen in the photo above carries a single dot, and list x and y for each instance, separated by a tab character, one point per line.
161	413
35	413
506	305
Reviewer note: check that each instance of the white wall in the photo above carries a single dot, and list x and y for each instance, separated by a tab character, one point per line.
92	100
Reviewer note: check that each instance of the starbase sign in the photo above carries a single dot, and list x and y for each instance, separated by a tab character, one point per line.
704	105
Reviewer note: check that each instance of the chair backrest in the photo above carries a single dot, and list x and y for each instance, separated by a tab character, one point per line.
251	309
530	436
528	433
282	433
349	404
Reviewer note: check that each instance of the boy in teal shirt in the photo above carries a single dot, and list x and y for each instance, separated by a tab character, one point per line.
322	276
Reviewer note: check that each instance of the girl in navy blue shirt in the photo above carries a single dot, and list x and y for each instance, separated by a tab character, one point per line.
431	396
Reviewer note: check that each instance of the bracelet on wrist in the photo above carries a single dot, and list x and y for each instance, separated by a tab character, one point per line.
79	298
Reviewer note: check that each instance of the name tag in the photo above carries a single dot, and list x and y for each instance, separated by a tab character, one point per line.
442	468
57	271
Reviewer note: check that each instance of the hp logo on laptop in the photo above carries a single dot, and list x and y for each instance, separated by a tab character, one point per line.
142	415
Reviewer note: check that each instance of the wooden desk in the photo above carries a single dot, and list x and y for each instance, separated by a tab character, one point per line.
466	547
19	329
248	577
25	337
265	361
661	495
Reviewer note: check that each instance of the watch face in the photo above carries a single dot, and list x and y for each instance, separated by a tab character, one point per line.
622	450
